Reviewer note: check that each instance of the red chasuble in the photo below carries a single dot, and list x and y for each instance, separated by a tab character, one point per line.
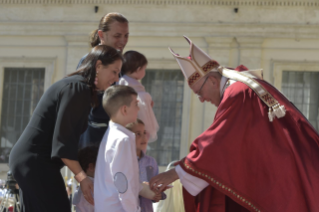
253	164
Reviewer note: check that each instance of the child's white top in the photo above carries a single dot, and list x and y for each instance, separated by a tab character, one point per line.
81	205
117	184
146	113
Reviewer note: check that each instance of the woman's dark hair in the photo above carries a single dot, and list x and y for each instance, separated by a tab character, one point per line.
87	155
132	61
105	26
107	55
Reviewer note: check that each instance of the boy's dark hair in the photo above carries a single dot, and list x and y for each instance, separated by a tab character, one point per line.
87	155
132	61
116	96
131	125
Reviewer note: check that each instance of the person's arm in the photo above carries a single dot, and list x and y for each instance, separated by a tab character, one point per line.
125	174
85	182
192	184
146	192
156	171
163	179
70	119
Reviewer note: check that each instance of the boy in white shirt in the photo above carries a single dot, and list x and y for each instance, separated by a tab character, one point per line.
117	184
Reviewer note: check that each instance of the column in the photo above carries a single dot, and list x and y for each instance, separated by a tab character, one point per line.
76	47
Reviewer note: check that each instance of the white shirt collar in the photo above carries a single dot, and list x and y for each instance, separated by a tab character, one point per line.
223	86
121	128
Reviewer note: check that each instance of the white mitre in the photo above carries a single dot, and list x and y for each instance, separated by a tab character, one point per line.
198	64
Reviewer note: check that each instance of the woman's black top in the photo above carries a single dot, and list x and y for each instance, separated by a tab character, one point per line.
56	124
52	133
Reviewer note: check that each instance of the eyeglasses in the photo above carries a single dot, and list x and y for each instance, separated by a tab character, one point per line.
198	93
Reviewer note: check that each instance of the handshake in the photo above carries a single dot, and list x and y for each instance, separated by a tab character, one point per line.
154	194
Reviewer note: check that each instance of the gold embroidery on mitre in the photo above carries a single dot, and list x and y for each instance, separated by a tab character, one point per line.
194	78
209	66
225	188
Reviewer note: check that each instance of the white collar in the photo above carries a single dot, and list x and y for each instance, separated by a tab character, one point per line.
138	87
121	128
222	85
130	79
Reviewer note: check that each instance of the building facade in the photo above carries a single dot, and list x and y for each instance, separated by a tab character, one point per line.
41	41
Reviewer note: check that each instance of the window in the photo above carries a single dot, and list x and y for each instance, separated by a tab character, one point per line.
166	88
22	89
302	88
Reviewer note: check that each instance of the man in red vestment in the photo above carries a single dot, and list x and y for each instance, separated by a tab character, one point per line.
260	153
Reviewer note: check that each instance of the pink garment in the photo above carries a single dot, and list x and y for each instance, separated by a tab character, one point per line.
146	113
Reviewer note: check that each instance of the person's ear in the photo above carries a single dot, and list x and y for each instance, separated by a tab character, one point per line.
98	64
100	34
123	110
214	81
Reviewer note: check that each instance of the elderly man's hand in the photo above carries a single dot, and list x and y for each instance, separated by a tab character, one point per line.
163	180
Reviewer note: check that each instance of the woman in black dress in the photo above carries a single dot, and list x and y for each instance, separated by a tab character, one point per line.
50	140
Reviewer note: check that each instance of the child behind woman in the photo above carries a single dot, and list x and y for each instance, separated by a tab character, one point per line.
147	165
133	70
87	159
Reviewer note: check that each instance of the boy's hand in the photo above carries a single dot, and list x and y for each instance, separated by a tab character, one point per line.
87	189
147	192
157	197
160	193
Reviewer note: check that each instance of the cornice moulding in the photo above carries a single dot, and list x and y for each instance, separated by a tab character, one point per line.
27	60
219	42
81	29
250	42
76	40
267	3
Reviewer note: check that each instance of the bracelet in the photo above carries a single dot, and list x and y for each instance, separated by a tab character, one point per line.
80	176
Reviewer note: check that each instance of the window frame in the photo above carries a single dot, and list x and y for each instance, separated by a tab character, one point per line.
302	66
185	136
48	64
297	66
